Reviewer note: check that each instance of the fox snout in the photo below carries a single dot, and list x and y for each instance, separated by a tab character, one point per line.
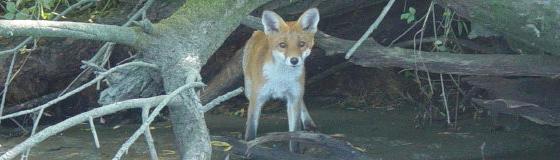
293	60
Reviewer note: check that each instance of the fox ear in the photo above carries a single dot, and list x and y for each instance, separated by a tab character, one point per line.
272	22
309	20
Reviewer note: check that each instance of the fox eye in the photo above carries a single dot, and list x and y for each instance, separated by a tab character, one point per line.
301	44
283	45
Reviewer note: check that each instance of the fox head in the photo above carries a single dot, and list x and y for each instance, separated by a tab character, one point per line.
290	42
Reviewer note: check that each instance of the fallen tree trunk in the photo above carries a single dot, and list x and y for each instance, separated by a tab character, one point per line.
374	55
532	23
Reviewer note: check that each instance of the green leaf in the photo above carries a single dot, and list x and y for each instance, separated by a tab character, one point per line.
404	16
9	16
11	7
410	19
412	10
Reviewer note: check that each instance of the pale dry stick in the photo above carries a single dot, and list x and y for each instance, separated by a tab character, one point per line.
140	131
221	99
372	27
7	83
78	119
94	132
36	120
58	99
445	99
40	115
148	134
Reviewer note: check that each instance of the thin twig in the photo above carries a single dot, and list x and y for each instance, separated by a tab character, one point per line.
372	27
444	99
148	134
150	119
20	126
19	46
98	78
221	99
7	83
94	132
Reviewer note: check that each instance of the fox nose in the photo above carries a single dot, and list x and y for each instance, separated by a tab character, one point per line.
294	60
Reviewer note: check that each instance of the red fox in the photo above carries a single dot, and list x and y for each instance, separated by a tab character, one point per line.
273	67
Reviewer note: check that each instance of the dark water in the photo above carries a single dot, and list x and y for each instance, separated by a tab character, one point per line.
383	134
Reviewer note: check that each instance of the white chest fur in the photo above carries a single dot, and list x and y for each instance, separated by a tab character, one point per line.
281	81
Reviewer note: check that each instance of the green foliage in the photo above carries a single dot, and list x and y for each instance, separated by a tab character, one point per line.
31	9
410	15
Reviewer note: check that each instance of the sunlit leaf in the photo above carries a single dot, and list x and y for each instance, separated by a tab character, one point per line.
410	19
226	145
404	16
412	10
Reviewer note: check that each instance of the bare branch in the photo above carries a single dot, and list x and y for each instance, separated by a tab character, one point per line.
372	27
7	83
148	134
75	120
221	99
58	99
78	30
150	119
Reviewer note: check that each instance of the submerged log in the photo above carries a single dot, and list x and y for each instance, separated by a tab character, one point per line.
531	98
240	148
337	148
340	149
